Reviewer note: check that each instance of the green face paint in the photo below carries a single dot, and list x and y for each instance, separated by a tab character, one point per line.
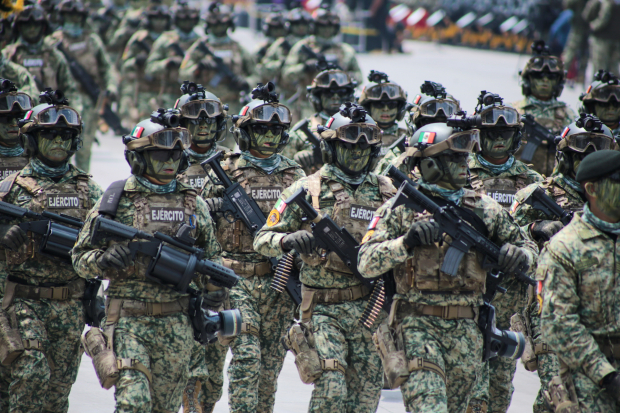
9	133
186	25
218	29
381	113
158	24
608	113
265	143
203	132
325	31
55	150
163	171
542	87
354	159
31	32
455	176
608	201
497	142
331	101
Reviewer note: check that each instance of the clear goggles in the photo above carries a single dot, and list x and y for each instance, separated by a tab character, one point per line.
580	142
605	93
539	63
353	133
8	102
432	108
325	79
490	117
52	115
465	142
265	113
163	139
193	109
390	90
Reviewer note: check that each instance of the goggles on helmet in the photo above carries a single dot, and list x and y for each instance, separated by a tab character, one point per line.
51	116
467	141
539	63
490	117
31	13
164	139
326	78
265	113
580	142
194	108
8	102
353	132
432	108
390	90
604	94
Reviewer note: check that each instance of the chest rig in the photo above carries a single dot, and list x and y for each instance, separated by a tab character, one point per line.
553	119
169	78
82	50
561	197
69	198
502	190
352	212
11	165
194	176
230	54
39	65
262	188
422	271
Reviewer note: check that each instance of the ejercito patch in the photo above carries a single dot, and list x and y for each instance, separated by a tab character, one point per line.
362	213
267	193
273	218
167	214
63	201
196	181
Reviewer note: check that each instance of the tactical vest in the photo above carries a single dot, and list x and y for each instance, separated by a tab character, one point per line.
262	188
555	123
422	271
348	212
561	197
11	165
145	83
502	190
83	51
195	175
70	198
388	139
39	65
168	81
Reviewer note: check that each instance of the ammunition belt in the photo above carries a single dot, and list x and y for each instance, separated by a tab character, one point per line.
447	312
248	269
117	308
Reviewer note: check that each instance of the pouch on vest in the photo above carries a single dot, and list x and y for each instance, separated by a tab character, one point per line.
98	346
395	363
300	341
11	345
529	359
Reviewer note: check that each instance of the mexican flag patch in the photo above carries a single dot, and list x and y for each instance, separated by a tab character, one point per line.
427	137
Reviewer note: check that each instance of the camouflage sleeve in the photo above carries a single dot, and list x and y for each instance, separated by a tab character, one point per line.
66	82
84	255
95	192
294	68
270	65
297	142
108	72
190	67
560	321
383	247
205	237
210	190
157	61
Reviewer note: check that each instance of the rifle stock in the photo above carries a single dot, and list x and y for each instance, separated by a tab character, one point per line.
536	134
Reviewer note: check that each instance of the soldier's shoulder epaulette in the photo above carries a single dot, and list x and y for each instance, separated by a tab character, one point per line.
7	183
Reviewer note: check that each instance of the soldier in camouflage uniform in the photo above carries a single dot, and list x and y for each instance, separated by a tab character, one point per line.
129	24
602	99
47	65
13	71
88	51
495	172
578	284
260	132
274	28
333	299
152	333
576	49
43	294
434	314
602	16
542	81
568	194
327	92
12	160
141	93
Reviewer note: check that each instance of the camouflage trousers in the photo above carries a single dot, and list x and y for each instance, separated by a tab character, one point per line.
41	379
338	335
548	364
5	382
164	346
543	160
455	346
591	396
258	355
207	367
90	118
605	54
577	47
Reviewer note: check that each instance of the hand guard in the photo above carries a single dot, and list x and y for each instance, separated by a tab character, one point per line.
544	230
301	241
511	257
422	233
116	257
14	237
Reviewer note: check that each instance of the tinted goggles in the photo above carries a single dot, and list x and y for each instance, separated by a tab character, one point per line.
548	75
389	90
499	133
52	115
193	109
51	134
353	133
263	128
391	104
582	141
604	94
163	155
491	116
343	92
325	79
8	102
163	139
467	141
31	13
265	113
539	63
433	107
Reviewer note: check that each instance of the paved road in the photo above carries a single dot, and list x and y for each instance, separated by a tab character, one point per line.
464	73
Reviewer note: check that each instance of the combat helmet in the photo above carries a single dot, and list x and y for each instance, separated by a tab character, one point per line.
492	117
72	7
31	13
383	89
153	11
13	104
298	17
323	17
543	61
183	11
219	14
604	89
330	76
266	110
432	105
275	25
53	112
197	103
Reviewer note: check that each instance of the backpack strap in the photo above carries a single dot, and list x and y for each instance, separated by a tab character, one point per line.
314	188
111	198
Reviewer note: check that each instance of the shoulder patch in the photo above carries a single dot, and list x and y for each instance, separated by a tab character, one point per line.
590	262
273	218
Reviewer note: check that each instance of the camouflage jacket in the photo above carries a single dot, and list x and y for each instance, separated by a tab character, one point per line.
29	190
384	249
129	24
298	141
133	64
271	64
130	283
20	76
348	207
235	238
389	156
579	273
12	164
554	115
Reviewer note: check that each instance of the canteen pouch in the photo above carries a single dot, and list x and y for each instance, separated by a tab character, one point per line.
562	397
395	363
11	345
529	358
300	341
98	346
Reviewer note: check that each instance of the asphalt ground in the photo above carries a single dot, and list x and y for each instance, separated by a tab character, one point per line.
464	72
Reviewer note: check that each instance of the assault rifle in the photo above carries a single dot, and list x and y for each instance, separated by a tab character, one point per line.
239	206
223	71
536	134
169	266
59	232
398	177
303	127
541	201
311	54
92	89
399	143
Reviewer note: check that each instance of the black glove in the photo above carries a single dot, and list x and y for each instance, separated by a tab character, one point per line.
141	60
611	383
422	233
215	204
511	257
544	230
301	241
116	257
215	299
14	237
305	159
173	62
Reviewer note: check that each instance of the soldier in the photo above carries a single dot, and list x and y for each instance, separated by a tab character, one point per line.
129	24
260	132
602	99
576	49
274	28
495	172
578	280
434	313
332	298
107	20
217	61
86	50
12	71
156	344
542	81
601	17
141	93
47	65
43	294
575	144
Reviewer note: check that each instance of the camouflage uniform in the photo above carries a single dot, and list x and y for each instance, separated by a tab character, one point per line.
43	375
161	342
579	270
257	353
577	42
497	388
128	25
553	115
298	141
389	156
18	75
89	52
340	338
453	345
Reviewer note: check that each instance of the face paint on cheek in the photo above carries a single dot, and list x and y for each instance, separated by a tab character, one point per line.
202	132
543	87
383	114
608	193
9	134
607	113
497	148
354	159
55	150
267	143
162	171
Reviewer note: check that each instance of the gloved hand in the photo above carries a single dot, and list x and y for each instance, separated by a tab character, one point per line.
305	159
214	299
301	241
422	233
611	383
511	257
310	65
110	95
116	257
173	62
14	237
141	60
544	230
215	204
